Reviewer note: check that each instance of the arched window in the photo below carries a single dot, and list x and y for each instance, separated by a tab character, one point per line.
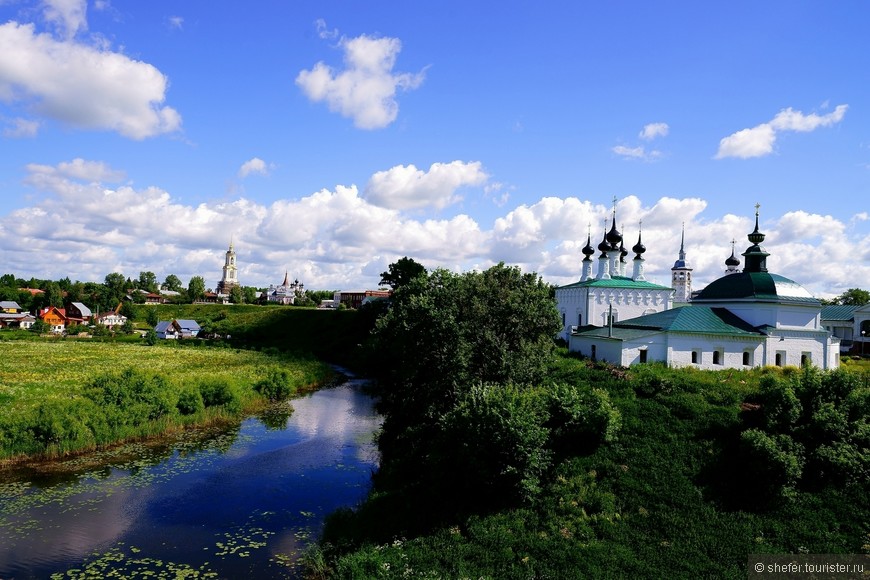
746	358
717	357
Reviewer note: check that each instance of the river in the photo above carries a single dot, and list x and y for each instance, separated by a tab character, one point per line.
243	502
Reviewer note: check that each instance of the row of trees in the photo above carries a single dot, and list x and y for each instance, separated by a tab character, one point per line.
101	297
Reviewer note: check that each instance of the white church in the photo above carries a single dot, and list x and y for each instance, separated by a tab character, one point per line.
744	319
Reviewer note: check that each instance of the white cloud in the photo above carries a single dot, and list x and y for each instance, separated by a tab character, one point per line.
83	86
365	90
406	187
653	130
758	141
337	238
176	22
639	152
323	31
68	16
19	127
254	165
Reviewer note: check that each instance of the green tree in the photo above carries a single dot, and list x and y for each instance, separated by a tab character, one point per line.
39	327
127	310
172	283
53	295
401	272
237	296
116	283
152	317
147	281
150	337
250	294
196	288
853	297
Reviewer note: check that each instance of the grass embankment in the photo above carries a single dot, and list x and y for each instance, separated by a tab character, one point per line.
65	396
675	496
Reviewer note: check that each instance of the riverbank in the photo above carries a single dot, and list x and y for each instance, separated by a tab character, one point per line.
69	397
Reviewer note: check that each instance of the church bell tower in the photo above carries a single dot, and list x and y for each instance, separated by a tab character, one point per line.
230	276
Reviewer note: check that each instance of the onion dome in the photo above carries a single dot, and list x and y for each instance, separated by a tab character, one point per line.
613	237
588	250
732	260
638	248
622	251
604	246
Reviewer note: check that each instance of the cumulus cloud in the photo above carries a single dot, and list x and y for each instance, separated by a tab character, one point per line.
759	141
365	90
254	165
82	86
406	187
653	130
84	228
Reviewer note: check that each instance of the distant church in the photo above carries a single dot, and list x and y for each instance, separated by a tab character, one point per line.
230	278
743	319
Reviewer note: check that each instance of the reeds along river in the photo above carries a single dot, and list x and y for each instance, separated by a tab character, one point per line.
239	503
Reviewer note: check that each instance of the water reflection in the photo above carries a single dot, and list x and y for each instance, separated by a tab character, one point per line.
239	503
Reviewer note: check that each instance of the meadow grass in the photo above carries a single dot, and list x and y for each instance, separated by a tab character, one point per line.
50	407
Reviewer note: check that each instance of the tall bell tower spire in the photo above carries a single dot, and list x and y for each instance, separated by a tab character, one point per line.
230	277
681	273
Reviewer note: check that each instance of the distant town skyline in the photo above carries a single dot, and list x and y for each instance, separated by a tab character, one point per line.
329	142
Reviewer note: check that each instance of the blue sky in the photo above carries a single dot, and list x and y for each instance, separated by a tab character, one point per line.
328	140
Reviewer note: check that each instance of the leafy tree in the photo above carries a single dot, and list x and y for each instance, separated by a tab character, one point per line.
39	327
152	317
127	327
127	310
196	288
147	281
172	283
8	280
53	295
853	297
401	272
150	337
443	334
237	296
249	294
116	283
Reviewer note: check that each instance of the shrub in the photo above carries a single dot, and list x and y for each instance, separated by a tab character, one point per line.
780	405
218	393
132	397
190	401
773	463
495	440
275	386
581	417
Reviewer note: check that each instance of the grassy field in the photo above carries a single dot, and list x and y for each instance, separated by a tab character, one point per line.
61	396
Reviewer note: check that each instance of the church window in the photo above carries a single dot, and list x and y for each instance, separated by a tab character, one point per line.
696	357
780	358
580	319
563	319
717	357
747	358
643	356
806	359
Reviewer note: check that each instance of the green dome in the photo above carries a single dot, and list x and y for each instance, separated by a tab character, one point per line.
761	286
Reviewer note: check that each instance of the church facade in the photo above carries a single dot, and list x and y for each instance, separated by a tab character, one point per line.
743	319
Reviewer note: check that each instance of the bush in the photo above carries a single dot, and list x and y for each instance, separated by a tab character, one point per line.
132	397
495	441
581	418
217	393
275	386
773	463
190	401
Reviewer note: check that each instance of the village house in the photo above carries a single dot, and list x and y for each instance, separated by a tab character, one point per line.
11	316
178	328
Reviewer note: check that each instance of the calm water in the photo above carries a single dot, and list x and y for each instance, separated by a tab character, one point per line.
241	503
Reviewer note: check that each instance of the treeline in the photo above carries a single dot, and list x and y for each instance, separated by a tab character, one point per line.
115	288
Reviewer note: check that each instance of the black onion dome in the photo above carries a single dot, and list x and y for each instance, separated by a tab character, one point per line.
638	248
732	260
613	237
622	251
588	250
604	246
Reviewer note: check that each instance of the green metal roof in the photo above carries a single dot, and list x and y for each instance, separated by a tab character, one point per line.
761	286
839	312
688	319
617	282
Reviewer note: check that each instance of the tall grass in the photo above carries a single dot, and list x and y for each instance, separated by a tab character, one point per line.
64	397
